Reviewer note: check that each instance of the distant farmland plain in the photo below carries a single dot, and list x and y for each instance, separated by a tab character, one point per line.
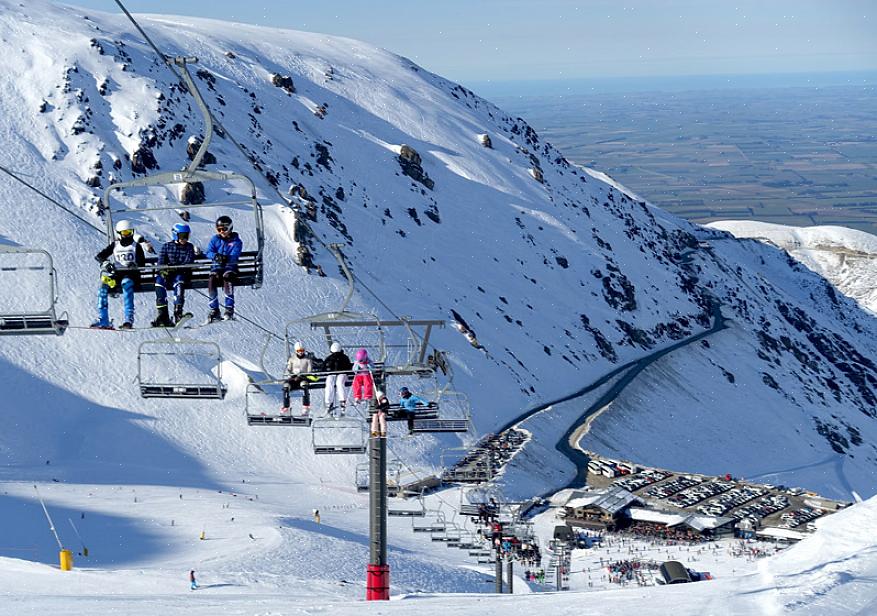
789	155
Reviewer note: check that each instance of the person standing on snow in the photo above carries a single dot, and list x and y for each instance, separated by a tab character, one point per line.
363	382
178	253
336	362
192	583
224	250
119	270
298	369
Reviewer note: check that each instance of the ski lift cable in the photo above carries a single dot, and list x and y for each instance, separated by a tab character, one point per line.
54	202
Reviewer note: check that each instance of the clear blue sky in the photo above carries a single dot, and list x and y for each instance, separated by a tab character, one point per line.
482	40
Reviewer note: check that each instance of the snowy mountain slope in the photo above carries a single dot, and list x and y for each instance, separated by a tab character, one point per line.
846	257
561	280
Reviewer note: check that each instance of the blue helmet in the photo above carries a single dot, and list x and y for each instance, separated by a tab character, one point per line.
181	227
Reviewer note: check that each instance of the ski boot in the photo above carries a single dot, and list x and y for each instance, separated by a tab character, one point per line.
127	325
163	319
102	325
228	315
179	315
213	316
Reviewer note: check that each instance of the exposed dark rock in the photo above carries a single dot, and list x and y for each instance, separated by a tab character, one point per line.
192	193
410	162
284	82
143	159
323	156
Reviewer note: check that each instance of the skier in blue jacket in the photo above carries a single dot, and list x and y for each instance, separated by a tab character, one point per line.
175	255
410	403
224	250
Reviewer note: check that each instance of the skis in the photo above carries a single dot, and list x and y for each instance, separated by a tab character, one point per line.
111	328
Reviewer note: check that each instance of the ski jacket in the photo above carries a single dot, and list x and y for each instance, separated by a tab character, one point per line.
126	255
363	367
412	402
337	362
174	253
300	365
229	248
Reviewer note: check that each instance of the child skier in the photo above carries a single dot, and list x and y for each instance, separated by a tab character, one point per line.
193	584
224	250
175	254
379	419
363	383
119	270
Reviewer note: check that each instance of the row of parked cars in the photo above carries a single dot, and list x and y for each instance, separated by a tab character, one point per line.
763	507
642	479
791	519
700	492
729	500
672	487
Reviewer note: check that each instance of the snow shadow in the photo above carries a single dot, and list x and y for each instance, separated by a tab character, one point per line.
51	434
334	532
111	540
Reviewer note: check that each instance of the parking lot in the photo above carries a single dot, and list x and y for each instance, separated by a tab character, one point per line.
766	505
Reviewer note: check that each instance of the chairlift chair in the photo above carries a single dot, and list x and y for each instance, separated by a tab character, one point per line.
394	474
262	407
465	465
193	352
454	415
343	435
414	510
250	266
17	320
432	521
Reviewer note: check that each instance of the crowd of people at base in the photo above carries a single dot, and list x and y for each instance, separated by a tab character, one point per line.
622	571
536	576
123	258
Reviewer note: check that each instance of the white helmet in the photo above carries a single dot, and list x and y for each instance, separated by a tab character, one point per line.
335	348
299	346
124	225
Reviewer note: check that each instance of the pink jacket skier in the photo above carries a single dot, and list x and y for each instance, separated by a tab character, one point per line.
363	384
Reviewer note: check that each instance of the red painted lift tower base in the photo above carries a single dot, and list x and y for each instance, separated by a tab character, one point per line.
377	583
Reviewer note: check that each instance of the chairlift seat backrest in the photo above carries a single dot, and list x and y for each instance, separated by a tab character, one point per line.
339	436
17	321
164	386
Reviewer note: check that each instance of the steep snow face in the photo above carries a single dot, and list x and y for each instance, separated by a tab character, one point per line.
561	275
846	257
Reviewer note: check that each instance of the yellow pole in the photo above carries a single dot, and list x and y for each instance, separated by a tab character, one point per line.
66	558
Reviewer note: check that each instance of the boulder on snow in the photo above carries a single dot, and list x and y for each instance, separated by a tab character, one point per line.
192	147
410	162
284	82
143	159
192	193
536	174
484	139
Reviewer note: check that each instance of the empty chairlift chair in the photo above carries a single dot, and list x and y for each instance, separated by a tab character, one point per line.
433	521
27	303
263	407
394	474
344	435
180	368
413	507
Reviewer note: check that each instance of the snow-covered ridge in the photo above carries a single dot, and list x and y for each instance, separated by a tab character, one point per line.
846	257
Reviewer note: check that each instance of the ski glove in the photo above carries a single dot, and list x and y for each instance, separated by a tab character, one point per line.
220	259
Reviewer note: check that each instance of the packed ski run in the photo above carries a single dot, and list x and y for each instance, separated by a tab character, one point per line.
676	346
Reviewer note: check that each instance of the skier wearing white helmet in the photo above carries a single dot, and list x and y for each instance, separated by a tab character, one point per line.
339	366
119	272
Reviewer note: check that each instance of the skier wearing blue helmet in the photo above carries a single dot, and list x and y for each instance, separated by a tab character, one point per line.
175	256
